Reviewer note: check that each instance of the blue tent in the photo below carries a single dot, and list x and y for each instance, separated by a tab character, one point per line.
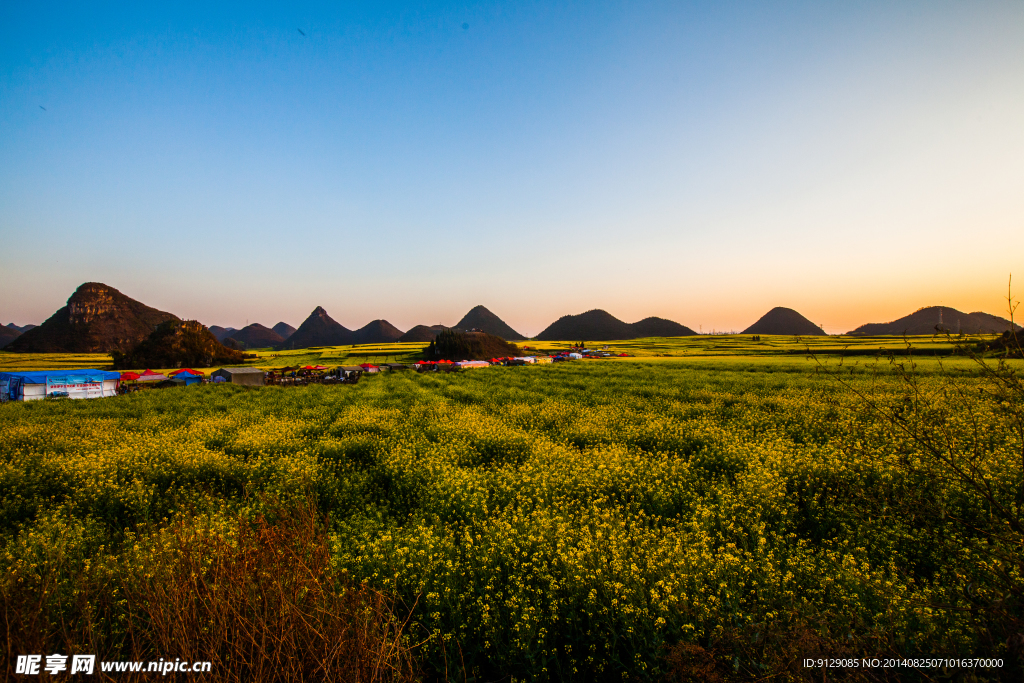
21	386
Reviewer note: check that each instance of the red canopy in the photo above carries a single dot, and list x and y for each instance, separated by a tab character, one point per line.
129	375
150	376
367	366
188	370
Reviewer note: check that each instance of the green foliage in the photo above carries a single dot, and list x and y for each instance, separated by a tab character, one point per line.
455	345
178	343
574	520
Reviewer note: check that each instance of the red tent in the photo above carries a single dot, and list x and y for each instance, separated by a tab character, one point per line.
188	370
367	366
150	376
129	375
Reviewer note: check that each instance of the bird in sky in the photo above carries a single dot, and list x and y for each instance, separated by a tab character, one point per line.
301	31
42	107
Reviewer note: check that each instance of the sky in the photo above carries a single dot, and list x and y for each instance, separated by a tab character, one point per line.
702	162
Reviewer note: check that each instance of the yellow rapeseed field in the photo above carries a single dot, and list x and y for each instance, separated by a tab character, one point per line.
588	520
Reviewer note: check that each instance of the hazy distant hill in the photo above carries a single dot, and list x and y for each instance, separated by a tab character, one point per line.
221	333
284	330
659	327
480	318
927	320
994	322
10	332
377	332
781	320
598	325
7	335
319	329
96	319
256	336
422	333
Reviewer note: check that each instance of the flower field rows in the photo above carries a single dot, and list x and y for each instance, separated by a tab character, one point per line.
626	521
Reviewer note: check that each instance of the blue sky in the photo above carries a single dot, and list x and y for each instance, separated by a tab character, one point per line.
702	162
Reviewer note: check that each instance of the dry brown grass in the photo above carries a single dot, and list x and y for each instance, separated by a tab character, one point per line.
261	603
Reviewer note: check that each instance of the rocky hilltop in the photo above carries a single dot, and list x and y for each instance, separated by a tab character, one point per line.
479	318
177	344
938	319
782	320
319	329
96	319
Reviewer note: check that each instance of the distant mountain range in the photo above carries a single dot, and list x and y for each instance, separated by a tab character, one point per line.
100	319
932	319
781	320
422	333
255	336
178	343
598	325
478	318
8	334
319	329
221	333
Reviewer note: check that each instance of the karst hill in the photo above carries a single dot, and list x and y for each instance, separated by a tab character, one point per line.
479	318
938	319
377	332
255	336
319	329
782	320
598	325
96	319
221	333
176	344
284	330
422	333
